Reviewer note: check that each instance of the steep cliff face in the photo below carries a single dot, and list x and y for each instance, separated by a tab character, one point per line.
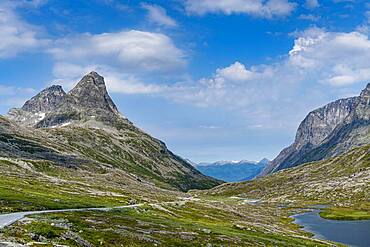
35	109
326	132
85	124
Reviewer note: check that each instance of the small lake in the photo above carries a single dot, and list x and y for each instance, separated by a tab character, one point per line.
352	233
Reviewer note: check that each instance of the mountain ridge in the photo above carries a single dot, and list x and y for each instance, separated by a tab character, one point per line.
232	171
86	124
326	132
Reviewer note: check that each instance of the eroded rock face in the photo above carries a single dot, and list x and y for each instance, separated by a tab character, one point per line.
88	100
328	131
91	92
35	109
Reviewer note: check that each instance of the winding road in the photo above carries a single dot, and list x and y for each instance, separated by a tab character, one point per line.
8	219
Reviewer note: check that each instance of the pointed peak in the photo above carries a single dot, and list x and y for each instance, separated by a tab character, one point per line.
94	74
91	92
366	91
90	81
46	100
98	79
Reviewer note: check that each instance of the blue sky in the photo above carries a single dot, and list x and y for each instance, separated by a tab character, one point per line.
214	79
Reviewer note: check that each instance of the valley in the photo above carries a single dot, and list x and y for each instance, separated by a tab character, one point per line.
112	184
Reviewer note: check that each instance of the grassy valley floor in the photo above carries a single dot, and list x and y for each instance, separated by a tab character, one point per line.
198	222
254	213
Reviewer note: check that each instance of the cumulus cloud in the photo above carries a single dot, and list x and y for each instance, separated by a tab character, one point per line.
337	58
320	66
68	74
129	50
124	58
158	15
260	8
17	35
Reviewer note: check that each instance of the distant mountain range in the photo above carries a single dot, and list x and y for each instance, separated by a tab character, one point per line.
327	132
232	171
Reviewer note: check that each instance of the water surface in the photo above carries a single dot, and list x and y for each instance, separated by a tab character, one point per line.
349	232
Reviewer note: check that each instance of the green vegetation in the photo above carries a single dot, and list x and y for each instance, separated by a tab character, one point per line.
178	224
345	214
27	185
86	167
341	182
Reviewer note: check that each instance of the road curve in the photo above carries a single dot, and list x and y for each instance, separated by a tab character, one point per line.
8	219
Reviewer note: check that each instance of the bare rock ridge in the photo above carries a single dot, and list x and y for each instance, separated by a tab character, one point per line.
35	109
46	100
328	131
91	92
88	100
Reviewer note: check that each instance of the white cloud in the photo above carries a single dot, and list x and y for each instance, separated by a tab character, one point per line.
320	66
17	35
311	4
11	91
124	58
128	50
235	72
267	9
337	58
14	96
158	15
68	74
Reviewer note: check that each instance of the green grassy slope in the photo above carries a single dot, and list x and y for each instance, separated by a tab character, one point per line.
342	182
122	147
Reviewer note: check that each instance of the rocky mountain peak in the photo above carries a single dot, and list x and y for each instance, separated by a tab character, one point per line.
91	92
328	131
46	100
366	91
52	107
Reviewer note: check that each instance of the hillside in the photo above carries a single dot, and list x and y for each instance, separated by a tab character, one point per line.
83	129
327	132
341	181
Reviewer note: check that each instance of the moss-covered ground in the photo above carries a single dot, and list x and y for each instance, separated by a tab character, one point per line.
178	224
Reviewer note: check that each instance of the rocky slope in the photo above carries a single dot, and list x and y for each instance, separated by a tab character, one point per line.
327	132
84	127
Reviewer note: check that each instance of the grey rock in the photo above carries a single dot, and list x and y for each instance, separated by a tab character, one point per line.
88	100
47	100
328	131
77	238
35	109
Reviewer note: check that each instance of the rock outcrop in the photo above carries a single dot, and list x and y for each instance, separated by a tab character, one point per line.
327	132
35	109
88	100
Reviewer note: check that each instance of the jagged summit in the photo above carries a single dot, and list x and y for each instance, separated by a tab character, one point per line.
92	92
46	100
88	100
